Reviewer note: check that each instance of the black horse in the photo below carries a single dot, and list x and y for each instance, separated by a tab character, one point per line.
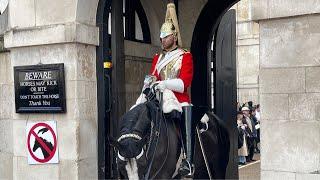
149	144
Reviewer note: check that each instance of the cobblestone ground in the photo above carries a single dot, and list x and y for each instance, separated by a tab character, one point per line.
250	171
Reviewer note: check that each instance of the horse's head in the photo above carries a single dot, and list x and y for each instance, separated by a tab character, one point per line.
134	134
129	146
146	124
36	145
131	156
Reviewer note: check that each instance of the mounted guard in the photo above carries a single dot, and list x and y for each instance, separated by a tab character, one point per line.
149	130
172	69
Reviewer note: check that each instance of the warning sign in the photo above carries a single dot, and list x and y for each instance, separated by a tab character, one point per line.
42	142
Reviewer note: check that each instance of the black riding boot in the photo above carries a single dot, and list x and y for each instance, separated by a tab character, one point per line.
187	130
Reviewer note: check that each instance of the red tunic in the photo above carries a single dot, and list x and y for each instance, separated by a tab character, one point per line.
186	74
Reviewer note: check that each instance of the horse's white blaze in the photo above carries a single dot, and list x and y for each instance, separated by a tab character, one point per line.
132	169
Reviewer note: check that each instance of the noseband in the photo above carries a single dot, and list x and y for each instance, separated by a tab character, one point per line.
130	135
126	159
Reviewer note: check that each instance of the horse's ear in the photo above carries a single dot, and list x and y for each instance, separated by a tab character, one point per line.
113	142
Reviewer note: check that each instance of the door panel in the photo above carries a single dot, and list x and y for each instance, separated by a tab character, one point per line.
225	84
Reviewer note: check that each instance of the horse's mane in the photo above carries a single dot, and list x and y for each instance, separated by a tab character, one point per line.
136	120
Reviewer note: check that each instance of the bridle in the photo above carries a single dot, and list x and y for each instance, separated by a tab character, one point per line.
126	136
167	151
153	138
129	135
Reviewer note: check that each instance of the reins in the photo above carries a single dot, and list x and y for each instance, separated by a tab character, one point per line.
147	174
155	141
168	146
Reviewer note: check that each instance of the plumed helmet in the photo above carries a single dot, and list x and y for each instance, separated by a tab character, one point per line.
171	26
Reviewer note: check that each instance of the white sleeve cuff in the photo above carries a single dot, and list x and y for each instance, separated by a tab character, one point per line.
176	85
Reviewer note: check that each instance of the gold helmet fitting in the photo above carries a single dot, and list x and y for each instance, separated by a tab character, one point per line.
171	26
167	29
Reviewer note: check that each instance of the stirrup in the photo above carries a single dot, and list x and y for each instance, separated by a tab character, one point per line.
184	171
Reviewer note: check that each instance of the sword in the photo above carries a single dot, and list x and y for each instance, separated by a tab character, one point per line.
204	153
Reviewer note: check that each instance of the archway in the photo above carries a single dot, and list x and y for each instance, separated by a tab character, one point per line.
213	36
204	32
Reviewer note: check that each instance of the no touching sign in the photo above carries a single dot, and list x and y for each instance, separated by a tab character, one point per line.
42	142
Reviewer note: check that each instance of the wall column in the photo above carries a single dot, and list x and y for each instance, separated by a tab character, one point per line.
289	88
38	33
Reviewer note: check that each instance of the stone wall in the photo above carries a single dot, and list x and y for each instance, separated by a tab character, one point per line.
77	128
64	32
289	88
188	12
136	69
6	133
38	33
4	21
138	59
247	54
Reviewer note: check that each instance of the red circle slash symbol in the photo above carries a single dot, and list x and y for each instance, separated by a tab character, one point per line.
48	151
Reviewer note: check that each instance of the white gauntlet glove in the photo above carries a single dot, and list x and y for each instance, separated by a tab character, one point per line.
176	85
161	86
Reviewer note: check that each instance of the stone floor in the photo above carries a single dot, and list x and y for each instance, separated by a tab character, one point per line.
250	171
